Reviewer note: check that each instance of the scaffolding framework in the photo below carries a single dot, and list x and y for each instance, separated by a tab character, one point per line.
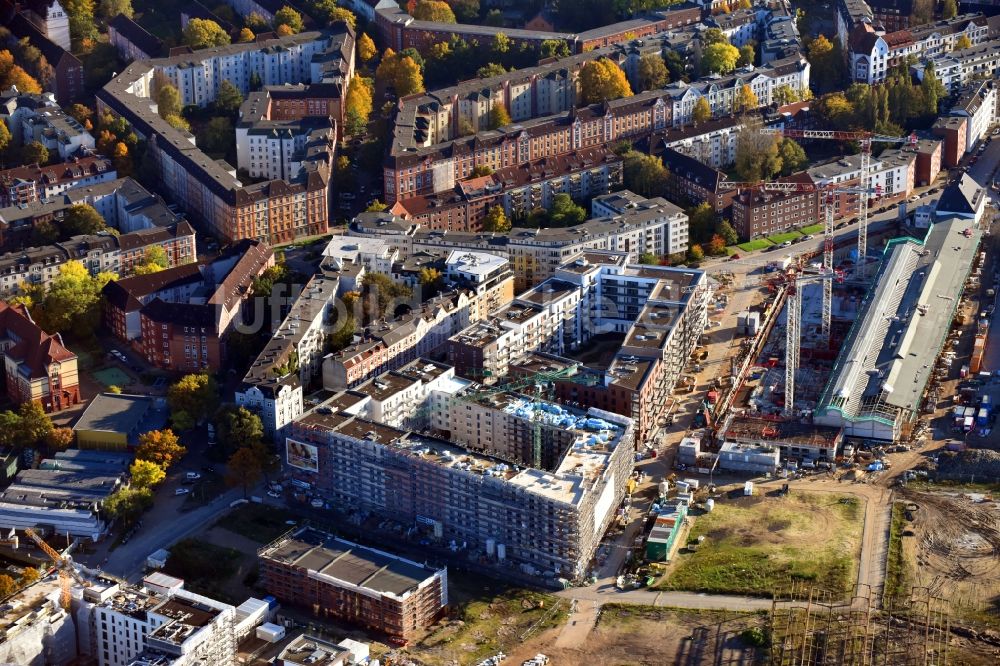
808	628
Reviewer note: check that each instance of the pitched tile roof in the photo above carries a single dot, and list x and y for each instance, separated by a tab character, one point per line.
33	348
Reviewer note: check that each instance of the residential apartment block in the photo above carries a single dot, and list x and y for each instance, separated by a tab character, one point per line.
132	41
958	68
60	133
333	577
37	366
124	204
98	253
31	183
660	311
654	225
547	521
517	189
210	191
276	395
872	52
429	153
45	26
179	317
978	103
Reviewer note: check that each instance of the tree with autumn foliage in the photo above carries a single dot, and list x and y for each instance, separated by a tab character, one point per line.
400	72
288	16
433	10
246	36
359	104
366	48
161	447
204	33
14	75
499	116
602	80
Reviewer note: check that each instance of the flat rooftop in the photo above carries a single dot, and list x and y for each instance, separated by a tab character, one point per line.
311	651
890	353
326	556
110	412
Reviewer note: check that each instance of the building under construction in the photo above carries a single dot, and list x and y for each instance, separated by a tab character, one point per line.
507	477
336	578
878	383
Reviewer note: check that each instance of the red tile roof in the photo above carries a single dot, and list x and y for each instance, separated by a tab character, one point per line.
33	348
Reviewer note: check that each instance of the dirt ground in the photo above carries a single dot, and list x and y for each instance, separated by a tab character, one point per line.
648	636
955	552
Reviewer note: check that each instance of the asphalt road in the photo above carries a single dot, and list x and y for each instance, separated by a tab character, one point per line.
129	560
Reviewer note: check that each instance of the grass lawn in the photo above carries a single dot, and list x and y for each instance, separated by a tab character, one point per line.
787	236
489	618
257	522
754	545
204	566
756	244
896	576
812	229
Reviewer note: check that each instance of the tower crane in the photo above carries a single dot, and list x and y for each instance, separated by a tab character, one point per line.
828	194
865	140
64	565
793	327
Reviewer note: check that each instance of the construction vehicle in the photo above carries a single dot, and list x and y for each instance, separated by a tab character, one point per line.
63	564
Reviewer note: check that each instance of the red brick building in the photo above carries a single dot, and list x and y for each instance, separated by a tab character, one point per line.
37	366
952	130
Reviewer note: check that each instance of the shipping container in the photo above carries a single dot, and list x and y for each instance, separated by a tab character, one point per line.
983	417
956	445
967	425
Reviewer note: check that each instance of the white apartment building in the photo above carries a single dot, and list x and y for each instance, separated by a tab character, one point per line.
958	68
978	103
872	53
893	171
721	92
715	147
60	133
298	345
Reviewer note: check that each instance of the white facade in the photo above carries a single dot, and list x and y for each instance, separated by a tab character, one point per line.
60	133
54	23
276	409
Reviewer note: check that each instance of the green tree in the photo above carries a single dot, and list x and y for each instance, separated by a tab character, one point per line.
82	219
229	98
602	80
499	116
827	62
757	155
648	258
112	8
154	260
343	335
376	206
719	58
216	136
33	424
145	474
793	157
288	16
785	94
168	101
701	221
553	48
366	48
466	11
695	253
160	447
256	22
713	36
652	72
195	394
71	303
727	232
10	424
493	18
238	426
81	19
431	282
243	469
676	65
564	212
645	174
385	290
501	44
127	504
933	90
34	152
949	9
490	69
747	55
702	111
496	221
204	33
433	10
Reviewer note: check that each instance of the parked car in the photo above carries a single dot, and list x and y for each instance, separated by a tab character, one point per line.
271	493
192	476
182	491
317	503
734	257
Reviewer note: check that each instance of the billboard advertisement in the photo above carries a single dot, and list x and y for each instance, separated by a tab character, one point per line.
303	456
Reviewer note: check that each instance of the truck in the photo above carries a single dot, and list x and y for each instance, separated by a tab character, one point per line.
983	417
968	424
956	445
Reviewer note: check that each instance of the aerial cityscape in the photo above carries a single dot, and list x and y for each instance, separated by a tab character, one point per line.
482	332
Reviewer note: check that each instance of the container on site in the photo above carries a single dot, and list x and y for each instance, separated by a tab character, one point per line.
986	402
709	504
964	372
501	552
748	488
968	424
983	417
664	488
682	486
956	445
272	633
491	547
693	483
